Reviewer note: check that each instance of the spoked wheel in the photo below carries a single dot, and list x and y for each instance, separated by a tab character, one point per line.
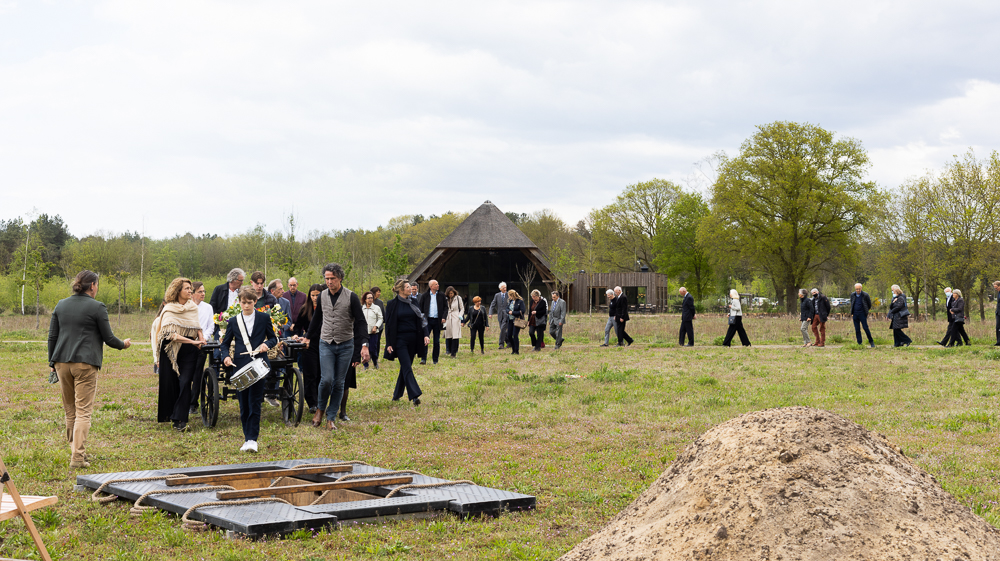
291	396
209	397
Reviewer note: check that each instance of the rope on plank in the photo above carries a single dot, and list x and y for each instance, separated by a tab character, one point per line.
138	508
110	498
202	526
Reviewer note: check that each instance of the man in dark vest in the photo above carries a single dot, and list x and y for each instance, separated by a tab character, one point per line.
687	317
860	304
340	325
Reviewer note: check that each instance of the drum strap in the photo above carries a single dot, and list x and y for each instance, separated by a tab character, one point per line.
246	336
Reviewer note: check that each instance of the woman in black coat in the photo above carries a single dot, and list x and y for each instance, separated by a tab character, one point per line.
478	319
515	310
536	321
309	356
405	326
899	318
958	334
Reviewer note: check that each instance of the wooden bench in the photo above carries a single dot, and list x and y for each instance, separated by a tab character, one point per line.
12	504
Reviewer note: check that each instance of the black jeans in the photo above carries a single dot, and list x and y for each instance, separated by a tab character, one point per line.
734	328
309	365
958	335
514	340
687	328
435	325
480	331
859	322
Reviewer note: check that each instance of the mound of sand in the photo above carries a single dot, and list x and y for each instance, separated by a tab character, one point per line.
793	484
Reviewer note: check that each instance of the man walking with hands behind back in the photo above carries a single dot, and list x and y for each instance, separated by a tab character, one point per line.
860	304
687	317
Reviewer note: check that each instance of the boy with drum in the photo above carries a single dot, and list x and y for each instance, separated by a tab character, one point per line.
250	330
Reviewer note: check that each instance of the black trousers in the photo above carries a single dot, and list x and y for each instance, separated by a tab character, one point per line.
406	346
859	322
309	365
620	331
480	331
537	334
196	379
998	328
435	325
451	346
947	334
515	338
250	400
687	329
374	345
958	335
174	403
734	328
899	338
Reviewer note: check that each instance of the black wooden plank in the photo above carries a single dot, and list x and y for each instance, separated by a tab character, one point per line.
380	507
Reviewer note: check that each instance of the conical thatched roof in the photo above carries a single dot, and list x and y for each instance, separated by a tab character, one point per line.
487	228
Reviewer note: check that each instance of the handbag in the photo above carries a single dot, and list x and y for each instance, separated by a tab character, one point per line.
520	323
732	320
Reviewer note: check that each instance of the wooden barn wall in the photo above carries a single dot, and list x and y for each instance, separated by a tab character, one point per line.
655	283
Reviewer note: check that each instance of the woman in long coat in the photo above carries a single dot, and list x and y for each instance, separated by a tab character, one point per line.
899	318
453	324
515	310
957	312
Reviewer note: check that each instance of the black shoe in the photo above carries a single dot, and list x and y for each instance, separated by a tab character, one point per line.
619	345
180	426
423	361
942	344
435	362
194	410
689	345
873	345
604	345
343	417
630	343
416	401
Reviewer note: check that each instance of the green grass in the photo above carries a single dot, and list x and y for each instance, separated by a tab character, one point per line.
585	429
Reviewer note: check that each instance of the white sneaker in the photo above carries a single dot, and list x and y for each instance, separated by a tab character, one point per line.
251	446
271	401
245	447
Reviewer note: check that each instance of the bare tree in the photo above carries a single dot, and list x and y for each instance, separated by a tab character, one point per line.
527	275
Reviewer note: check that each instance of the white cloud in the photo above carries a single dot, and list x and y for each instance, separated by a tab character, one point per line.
117	110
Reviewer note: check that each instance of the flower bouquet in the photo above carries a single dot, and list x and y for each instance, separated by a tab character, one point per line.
222	319
279	318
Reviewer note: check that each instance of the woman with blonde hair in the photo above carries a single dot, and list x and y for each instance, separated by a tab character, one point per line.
735	321
957	311
453	325
515	315
176	337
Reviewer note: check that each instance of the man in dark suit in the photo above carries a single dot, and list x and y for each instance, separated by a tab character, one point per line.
996	288
261	338
498	307
806	313
225	295
621	317
860	304
434	306
951	320
687	317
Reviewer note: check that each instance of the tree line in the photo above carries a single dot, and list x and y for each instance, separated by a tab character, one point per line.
792	209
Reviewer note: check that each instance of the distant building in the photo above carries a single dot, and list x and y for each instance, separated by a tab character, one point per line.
484	249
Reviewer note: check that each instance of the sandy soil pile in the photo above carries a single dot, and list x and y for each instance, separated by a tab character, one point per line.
793	484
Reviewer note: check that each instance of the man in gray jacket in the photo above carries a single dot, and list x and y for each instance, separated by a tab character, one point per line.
557	318
498	307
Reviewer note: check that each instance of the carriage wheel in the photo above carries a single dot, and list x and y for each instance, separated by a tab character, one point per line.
291	397
209	397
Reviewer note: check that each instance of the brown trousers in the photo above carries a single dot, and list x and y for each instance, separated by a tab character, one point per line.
79	386
819	331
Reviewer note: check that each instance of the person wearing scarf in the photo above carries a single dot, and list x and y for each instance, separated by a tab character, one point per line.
176	337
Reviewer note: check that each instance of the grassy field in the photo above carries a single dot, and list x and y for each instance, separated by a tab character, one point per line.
585	446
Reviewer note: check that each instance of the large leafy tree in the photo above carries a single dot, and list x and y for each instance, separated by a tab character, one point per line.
679	253
623	231
792	202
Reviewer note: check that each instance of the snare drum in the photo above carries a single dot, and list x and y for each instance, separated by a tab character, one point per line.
249	374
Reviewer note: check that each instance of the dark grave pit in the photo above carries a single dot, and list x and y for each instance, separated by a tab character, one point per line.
313	503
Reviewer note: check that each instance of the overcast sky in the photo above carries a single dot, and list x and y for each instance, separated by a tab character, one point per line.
211	117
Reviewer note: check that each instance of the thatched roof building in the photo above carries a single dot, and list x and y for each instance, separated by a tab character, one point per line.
485	249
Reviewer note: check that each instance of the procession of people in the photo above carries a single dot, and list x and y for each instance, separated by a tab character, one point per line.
340	332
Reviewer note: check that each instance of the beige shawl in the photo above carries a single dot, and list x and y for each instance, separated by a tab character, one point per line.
175	320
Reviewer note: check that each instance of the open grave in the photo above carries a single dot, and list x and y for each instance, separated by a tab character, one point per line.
278	497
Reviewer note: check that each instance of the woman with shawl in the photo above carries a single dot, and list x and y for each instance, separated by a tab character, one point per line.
177	338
